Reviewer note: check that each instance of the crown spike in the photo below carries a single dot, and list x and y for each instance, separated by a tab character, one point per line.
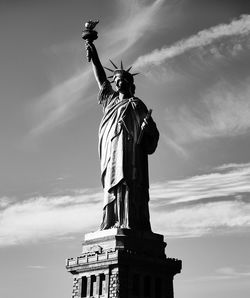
134	74
129	69
113	64
121	65
109	69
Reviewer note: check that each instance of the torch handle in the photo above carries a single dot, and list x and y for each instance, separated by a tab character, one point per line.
88	53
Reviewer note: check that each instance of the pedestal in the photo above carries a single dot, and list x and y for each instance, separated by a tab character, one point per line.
123	263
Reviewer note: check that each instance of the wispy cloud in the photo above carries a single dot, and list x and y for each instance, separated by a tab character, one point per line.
202	219
232	166
225	273
5	201
224	181
231	273
222	111
56	106
240	27
37	267
176	147
59	104
191	207
137	19
203	204
40	218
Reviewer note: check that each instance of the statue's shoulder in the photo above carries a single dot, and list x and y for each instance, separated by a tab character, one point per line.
106	86
106	92
140	102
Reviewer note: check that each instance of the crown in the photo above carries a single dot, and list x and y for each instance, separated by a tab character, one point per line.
121	70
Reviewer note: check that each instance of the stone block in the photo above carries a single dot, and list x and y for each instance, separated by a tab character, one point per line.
121	255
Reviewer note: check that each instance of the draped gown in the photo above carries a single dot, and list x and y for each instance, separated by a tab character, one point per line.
124	162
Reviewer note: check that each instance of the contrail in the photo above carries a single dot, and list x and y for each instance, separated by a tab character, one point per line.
202	38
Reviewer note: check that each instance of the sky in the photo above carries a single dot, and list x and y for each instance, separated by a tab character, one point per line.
194	63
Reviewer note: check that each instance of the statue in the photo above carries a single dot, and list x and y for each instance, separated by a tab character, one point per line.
127	134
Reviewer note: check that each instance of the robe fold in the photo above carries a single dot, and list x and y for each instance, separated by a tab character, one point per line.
124	162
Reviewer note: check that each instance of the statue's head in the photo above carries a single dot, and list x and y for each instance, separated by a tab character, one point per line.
123	79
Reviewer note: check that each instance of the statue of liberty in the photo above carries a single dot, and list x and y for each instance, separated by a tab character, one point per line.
127	135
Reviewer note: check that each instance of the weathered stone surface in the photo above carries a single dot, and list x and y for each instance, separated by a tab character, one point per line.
122	256
147	243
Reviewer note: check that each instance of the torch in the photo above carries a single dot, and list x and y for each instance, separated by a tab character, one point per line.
89	35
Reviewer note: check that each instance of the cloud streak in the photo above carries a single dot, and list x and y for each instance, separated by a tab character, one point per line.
191	207
231	273
226	181
222	111
49	217
202	219
204	204
224	273
137	20
170	143
58	105
37	267
240	27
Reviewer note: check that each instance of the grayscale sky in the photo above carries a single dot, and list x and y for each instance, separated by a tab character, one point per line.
194	60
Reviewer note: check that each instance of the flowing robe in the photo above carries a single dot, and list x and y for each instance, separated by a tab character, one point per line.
124	162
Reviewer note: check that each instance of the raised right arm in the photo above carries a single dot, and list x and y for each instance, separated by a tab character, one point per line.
98	69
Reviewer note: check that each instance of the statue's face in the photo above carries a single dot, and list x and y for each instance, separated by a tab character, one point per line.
121	83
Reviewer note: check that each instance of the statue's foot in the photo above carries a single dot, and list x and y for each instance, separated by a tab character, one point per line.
117	225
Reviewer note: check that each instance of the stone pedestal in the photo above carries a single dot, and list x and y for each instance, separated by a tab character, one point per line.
123	263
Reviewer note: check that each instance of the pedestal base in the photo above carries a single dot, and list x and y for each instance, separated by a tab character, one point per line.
123	263
139	242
